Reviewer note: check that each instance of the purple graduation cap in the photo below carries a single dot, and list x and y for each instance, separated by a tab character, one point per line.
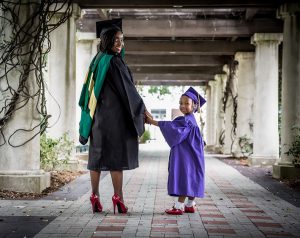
103	26
195	96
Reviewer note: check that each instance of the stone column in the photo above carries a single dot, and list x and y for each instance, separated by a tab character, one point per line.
290	75
86	49
290	113
212	110
220	116
265	134
62	78
246	91
231	85
20	166
207	128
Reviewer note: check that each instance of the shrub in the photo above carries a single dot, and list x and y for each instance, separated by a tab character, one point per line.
294	149
246	145
55	151
145	136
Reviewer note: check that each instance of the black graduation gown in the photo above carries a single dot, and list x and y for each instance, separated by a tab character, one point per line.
118	121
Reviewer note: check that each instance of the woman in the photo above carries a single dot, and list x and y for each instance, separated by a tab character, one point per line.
112	114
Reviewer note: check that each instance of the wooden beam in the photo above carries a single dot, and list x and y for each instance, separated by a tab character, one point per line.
234	38
176	60
173	77
186	47
178	70
102	13
193	28
176	3
250	13
170	83
200	28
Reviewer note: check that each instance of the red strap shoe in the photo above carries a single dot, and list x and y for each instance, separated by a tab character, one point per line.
191	209
96	205
174	211
120	205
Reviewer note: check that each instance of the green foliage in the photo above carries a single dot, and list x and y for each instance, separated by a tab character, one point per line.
294	149
246	145
140	89
55	151
159	90
146	136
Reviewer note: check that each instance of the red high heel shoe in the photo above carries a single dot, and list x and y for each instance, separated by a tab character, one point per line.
96	205
117	202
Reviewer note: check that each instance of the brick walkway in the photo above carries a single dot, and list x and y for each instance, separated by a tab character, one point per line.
234	206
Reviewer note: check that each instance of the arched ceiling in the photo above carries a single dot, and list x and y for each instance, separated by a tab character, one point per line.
175	43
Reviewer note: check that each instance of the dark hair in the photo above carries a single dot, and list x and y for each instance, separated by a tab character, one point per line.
108	39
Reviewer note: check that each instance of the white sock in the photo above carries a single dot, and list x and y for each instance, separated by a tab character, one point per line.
179	205
190	203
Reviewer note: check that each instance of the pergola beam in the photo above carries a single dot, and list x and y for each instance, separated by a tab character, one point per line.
186	47
250	13
175	28
176	60
175	3
200	28
102	13
170	83
178	70
173	77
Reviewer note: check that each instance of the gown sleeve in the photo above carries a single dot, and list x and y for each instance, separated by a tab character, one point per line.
174	131
126	89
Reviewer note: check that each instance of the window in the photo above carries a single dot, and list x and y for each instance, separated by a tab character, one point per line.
158	113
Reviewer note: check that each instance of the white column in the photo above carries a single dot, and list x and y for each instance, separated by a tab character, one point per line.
208	125
290	115
20	166
220	116
265	135
62	78
86	49
231	91
246	90
211	139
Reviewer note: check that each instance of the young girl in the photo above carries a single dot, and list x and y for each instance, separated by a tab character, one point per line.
186	161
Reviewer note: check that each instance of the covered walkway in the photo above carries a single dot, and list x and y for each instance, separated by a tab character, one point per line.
234	206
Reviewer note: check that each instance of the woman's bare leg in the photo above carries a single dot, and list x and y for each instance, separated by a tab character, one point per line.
95	179
117	180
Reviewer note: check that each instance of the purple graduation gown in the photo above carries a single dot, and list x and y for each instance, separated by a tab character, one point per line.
186	161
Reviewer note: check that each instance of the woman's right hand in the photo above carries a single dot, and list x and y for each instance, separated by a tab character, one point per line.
148	114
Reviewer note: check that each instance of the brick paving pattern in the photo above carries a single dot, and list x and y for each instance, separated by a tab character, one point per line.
234	206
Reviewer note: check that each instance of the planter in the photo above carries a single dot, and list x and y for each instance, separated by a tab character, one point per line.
285	170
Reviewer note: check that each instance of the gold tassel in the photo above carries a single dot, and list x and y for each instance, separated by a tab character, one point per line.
199	111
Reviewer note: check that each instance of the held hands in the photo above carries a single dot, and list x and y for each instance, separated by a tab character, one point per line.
148	116
149	119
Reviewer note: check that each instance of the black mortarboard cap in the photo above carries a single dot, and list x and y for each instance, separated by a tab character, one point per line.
103	26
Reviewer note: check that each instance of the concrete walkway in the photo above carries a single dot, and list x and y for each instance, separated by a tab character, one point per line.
234	207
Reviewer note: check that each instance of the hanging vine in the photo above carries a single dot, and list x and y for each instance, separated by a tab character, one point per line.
229	93
24	45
